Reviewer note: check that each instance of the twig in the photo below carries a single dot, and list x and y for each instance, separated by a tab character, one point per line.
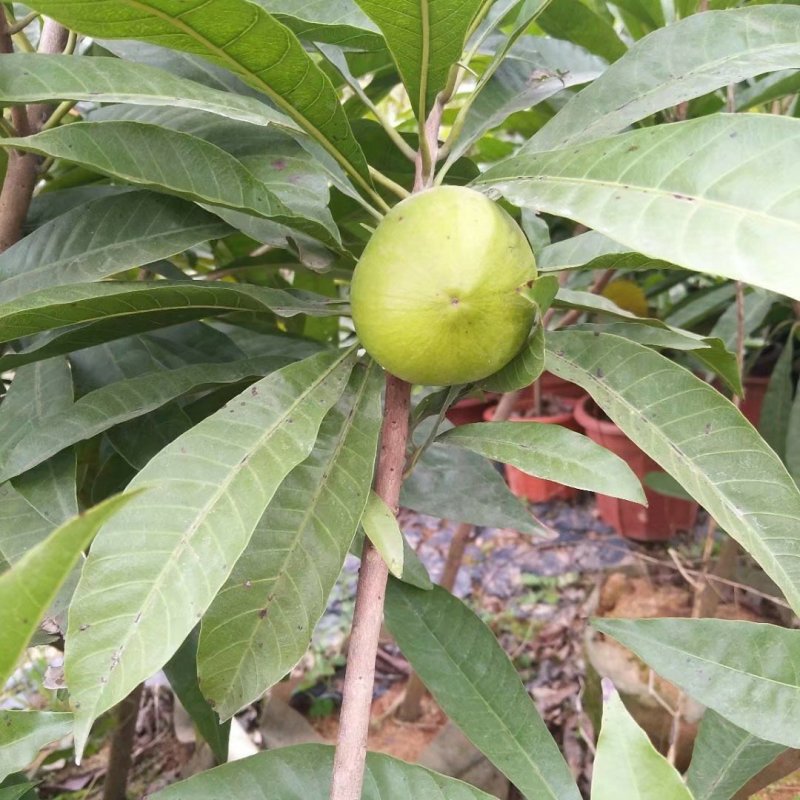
21	172
351	745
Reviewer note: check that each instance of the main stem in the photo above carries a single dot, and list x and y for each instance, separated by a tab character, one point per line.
21	172
351	744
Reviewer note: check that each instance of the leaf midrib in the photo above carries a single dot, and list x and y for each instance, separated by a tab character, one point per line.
301	119
474	688
309	513
202	514
677	453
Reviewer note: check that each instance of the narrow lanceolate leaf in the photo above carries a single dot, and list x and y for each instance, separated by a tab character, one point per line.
102	238
381	527
304	771
17	791
551	452
592	250
579	23
24	733
523	369
711	352
627	765
483	498
684	60
260	624
776	411
118	301
670	191
51	488
534	70
120	402
21	525
28	588
691	430
725	757
746	671
475	684
170	161
337	22
154	570
37	78
793	438
425	37
241	37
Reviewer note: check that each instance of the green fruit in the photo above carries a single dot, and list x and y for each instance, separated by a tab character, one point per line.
436	296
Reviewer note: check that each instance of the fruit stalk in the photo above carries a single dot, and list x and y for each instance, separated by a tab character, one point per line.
351	744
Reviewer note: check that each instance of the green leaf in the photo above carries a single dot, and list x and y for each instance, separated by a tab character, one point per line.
725	757
745	671
551	452
181	671
17	791
338	22
793	438
577	23
38	77
627	765
383	530
260	624
462	486
121	401
684	60
476	685
241	37
523	369
426	38
711	352
697	436
774	421
30	586
24	733
102	238
21	525
592	250
173	162
664	191
168	301
154	570
757	304
304	771
664	483
536	69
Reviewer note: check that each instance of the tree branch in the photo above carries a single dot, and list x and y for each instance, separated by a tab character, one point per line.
21	173
351	745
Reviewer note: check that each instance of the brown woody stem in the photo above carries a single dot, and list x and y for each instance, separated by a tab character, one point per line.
21	172
351	744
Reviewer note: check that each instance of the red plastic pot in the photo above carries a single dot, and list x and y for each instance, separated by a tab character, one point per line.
470	409
755	387
664	516
538	490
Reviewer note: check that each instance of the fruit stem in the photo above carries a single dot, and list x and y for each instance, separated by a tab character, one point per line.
351	744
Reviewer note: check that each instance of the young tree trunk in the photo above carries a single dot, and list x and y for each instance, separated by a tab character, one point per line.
351	744
22	169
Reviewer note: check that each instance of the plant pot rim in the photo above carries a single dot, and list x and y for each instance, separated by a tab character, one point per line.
554	419
589	421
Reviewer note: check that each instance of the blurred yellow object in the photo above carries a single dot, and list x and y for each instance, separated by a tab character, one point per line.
627	295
